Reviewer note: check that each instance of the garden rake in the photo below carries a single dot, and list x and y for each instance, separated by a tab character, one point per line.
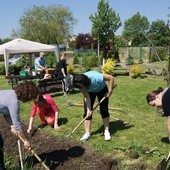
20	154
163	164
87	116
38	158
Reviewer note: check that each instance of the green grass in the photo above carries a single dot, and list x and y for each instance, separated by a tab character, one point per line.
146	128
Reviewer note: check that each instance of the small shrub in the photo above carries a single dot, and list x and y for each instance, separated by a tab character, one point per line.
160	53
70	69
50	61
76	60
108	67
136	71
88	62
2	70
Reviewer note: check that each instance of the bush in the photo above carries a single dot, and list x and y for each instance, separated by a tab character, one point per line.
136	71
161	53
76	59
108	67
50	61
89	61
15	69
70	69
2	70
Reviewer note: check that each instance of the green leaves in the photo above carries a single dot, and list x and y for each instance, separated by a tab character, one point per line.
51	25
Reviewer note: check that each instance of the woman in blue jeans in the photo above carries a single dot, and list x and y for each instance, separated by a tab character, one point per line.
9	109
92	84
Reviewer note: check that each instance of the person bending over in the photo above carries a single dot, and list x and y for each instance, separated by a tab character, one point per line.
92	84
10	110
160	99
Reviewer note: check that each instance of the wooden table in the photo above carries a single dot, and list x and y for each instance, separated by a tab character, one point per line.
14	79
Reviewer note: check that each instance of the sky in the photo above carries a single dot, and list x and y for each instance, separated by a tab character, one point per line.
12	10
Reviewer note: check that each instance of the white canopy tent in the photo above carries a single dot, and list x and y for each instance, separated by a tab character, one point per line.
22	46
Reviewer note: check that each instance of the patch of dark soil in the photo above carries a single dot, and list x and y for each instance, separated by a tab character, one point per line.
55	152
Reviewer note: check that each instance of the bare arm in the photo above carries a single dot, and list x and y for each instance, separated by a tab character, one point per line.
110	80
56	120
30	124
87	101
64	74
22	134
168	126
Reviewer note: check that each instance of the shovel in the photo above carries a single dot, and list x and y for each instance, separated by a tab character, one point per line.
163	164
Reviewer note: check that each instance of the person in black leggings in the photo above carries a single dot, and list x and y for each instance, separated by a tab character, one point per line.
92	84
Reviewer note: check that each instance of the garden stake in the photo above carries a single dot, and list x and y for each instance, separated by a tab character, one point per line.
38	158
20	154
81	105
74	104
163	164
91	113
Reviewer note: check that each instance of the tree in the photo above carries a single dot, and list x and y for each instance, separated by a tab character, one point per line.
85	41
50	25
159	33
168	76
135	29
2	41
104	23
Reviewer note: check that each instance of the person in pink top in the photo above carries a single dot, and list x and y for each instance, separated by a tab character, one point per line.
47	110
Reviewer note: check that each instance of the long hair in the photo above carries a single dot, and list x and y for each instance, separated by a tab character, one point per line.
81	79
152	95
27	91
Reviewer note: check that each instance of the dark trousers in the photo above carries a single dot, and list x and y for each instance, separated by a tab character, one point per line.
2	164
103	106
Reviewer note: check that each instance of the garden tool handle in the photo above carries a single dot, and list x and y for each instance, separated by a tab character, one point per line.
38	158
168	156
86	116
91	112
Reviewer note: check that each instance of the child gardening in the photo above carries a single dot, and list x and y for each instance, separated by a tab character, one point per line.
47	110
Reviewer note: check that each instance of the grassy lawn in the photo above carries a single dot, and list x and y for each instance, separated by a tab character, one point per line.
146	130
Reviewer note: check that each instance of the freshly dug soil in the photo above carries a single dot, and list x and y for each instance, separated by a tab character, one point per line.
56	153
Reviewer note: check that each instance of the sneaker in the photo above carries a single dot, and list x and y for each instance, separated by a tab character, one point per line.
42	126
65	94
85	137
107	135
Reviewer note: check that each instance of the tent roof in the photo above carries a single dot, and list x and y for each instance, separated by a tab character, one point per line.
22	46
18	46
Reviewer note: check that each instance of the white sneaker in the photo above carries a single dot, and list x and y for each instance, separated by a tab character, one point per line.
85	137
107	135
